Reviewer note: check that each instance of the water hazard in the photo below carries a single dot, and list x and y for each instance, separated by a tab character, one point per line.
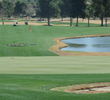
89	44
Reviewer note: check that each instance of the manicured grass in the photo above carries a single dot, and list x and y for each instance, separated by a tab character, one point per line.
55	65
37	87
42	36
31	78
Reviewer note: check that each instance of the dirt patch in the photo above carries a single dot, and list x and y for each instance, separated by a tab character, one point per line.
59	44
67	20
23	23
92	88
31	23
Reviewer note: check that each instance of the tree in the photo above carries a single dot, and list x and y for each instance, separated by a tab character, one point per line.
89	11
1	8
106	4
1	12
102	8
70	10
63	8
75	9
30	10
20	8
67	10
99	10
48	9
8	8
79	9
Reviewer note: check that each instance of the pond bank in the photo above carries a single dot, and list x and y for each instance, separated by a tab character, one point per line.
59	44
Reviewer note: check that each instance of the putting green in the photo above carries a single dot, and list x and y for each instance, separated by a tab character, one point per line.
55	65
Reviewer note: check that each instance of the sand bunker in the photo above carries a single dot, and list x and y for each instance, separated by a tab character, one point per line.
92	88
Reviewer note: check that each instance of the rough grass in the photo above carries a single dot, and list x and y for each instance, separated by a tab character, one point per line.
42	36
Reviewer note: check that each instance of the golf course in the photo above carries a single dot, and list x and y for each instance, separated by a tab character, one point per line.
37	41
32	76
54	49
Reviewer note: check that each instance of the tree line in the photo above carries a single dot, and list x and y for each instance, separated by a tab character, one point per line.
57	9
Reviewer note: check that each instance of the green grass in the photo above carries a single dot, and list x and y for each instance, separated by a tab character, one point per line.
32	78
7	20
55	65
74	24
42	36
37	87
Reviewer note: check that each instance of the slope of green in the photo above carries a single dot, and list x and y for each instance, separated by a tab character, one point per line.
41	36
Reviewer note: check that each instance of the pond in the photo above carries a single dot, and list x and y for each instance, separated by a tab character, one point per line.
89	44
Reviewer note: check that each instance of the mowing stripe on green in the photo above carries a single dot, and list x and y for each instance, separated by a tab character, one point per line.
55	65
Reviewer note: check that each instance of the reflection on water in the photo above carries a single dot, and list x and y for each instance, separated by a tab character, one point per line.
90	44
77	45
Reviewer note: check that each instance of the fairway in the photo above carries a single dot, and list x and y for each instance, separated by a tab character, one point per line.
55	65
